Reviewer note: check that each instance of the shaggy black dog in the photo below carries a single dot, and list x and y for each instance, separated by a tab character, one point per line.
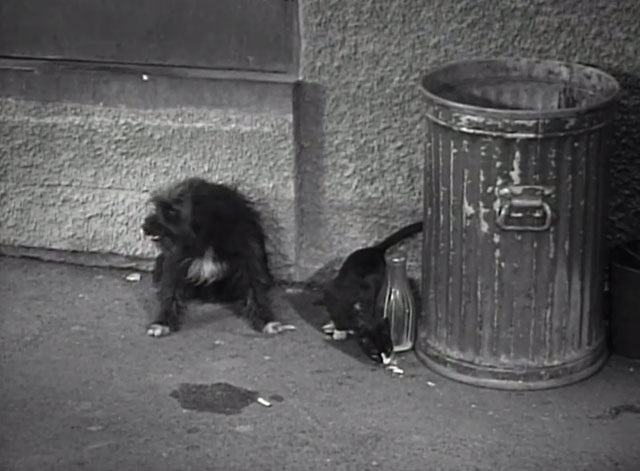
213	249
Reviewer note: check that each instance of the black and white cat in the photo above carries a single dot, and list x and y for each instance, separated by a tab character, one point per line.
350	298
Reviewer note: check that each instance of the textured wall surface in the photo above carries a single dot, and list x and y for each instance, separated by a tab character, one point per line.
361	129
77	177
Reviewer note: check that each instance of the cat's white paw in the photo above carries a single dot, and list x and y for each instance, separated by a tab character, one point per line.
387	360
158	330
329	328
340	334
275	327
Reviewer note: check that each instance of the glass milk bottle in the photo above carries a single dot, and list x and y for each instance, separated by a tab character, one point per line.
396	302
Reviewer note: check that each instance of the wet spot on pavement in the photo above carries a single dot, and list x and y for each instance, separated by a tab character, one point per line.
218	398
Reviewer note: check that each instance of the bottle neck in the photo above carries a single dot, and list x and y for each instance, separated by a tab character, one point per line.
397	268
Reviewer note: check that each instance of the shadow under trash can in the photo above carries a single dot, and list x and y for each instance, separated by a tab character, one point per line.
514	198
624	289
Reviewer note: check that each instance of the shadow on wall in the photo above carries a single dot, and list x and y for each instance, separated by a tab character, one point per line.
316	217
624	166
624	176
308	111
277	238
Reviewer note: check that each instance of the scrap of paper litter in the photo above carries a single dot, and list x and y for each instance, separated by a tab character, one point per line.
264	402
135	276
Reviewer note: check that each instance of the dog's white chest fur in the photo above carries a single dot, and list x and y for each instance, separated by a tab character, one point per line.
206	269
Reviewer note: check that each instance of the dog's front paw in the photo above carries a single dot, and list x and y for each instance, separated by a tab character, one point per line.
272	328
158	330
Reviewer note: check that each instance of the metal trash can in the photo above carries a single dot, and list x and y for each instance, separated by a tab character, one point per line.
514	208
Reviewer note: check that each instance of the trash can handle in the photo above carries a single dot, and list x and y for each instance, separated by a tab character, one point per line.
522	201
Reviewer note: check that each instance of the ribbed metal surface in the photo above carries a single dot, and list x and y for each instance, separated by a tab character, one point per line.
515	309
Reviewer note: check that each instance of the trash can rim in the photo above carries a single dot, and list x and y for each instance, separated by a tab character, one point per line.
600	102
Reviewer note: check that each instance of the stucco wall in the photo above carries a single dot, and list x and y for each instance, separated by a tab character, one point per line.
361	130
74	176
77	177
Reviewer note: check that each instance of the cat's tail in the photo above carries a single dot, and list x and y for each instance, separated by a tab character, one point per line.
400	235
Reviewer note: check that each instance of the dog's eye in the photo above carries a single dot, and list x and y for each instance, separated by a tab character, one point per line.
170	213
